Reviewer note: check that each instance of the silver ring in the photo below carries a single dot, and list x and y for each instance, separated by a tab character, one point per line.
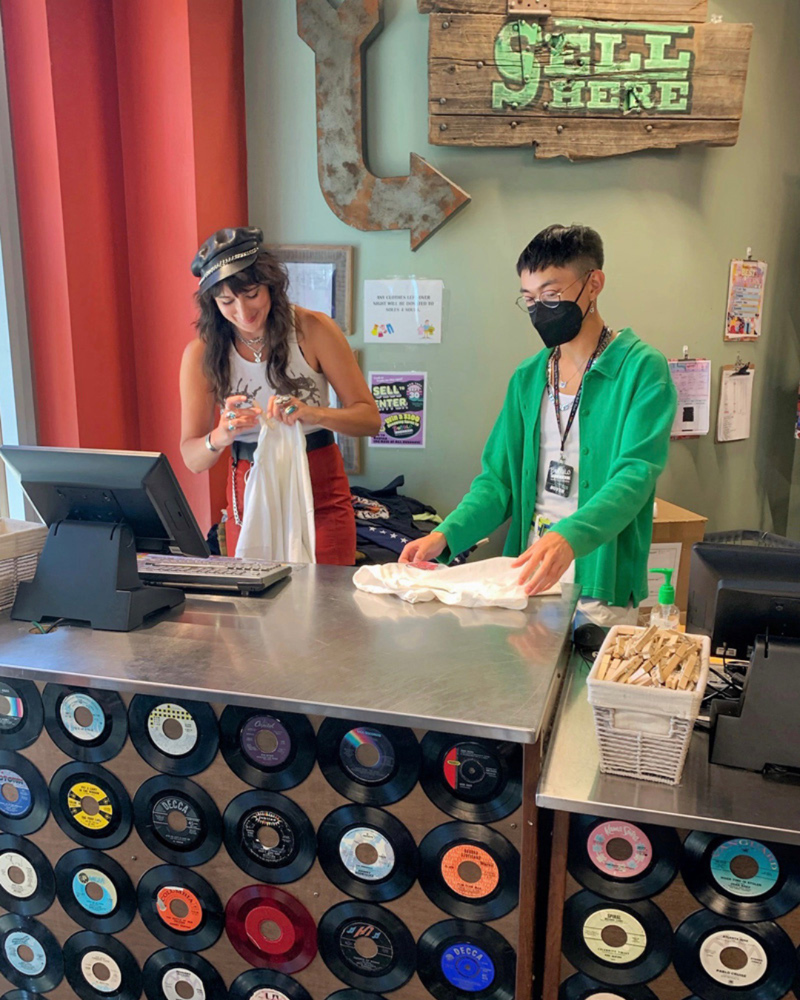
230	415
231	425
282	400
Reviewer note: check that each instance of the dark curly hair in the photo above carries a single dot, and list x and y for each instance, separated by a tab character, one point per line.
217	333
562	246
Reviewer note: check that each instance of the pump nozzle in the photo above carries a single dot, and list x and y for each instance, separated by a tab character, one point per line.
666	592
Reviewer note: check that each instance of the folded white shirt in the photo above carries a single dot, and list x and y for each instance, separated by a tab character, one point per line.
488	583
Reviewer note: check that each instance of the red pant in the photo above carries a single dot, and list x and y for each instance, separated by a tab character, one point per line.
333	513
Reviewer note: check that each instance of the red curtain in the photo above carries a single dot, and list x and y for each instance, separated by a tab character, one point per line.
128	123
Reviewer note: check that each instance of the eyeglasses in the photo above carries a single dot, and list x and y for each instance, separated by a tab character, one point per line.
549	298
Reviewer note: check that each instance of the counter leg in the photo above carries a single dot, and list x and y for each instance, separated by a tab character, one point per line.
555	906
529	870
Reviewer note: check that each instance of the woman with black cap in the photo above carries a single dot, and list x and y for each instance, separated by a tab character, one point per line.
256	352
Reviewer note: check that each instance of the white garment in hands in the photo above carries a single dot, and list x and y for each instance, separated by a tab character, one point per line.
488	583
278	521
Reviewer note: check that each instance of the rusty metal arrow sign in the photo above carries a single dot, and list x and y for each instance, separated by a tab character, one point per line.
424	199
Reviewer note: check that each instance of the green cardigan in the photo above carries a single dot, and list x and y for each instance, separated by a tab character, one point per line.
626	412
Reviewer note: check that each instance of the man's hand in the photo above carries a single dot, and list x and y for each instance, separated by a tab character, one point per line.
424	549
544	563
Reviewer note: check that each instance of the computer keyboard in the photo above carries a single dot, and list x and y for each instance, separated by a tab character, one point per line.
247	576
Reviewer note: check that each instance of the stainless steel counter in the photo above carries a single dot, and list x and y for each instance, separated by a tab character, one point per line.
318	646
710	797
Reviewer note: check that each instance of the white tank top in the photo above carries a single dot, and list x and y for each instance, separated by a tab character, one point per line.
249	378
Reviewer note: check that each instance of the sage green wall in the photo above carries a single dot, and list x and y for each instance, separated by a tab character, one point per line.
671	222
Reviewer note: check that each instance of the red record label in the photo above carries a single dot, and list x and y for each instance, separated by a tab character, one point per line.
271	929
465	860
179	908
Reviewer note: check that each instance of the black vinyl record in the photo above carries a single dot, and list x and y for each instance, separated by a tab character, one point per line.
366	946
24	800
21	714
718	958
367	853
91	805
469	871
580	987
27	883
622	860
618	943
272	750
269	837
20	995
354	995
472	779
255	984
371	764
30	957
742	878
98	965
180	908
87	724
174	735
271	929
174	975
461	960
177	820
95	891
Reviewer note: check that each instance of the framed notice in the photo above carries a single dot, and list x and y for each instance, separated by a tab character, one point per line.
402	402
745	300
320	278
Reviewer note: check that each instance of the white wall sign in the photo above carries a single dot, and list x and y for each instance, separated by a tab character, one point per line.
403	311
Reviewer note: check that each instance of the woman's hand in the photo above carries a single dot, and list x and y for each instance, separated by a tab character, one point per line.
234	420
289	409
424	549
544	563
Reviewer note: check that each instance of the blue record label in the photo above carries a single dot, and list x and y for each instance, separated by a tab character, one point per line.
95	891
467	967
760	861
82	717
28	966
15	795
12	709
367	755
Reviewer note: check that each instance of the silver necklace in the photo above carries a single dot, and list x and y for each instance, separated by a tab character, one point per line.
258	352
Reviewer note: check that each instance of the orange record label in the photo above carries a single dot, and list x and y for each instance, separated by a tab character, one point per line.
464	861
179	908
100	818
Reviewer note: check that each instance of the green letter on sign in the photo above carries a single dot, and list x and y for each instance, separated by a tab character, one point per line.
518	64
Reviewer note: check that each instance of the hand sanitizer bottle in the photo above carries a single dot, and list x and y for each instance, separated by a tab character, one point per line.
666	614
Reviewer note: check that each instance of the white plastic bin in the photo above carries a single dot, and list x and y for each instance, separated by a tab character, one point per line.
644	732
21	543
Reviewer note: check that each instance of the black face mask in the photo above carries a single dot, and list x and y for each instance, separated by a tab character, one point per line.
562	323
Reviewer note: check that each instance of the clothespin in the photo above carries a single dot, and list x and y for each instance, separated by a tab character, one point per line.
749	253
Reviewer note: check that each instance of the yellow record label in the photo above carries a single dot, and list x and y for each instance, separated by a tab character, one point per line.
614	936
98	817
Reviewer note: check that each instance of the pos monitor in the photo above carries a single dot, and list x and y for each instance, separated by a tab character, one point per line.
101	507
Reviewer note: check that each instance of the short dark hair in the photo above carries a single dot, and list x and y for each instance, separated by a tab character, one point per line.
563	246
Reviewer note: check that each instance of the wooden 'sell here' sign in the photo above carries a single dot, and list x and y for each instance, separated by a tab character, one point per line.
571	78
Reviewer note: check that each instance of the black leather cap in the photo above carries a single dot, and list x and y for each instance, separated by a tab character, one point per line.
225	253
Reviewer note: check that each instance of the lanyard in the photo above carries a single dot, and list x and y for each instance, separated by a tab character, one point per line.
602	343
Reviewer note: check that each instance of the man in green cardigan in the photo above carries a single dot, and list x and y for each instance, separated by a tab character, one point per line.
583	435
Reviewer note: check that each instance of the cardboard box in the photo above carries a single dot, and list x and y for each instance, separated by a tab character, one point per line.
675	531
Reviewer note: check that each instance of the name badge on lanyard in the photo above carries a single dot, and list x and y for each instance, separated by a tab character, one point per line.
559	478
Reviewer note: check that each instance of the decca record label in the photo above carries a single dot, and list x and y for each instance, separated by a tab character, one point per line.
95	821
278	854
635	843
361	837
70	705
12	709
179	908
352	754
177	984
467	967
627	929
95	891
109	979
265	741
764	878
379	962
13	784
724	949
167	805
33	966
470	854
472	771
186	737
22	868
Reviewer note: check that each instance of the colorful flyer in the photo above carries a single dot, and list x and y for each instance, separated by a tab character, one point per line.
403	311
745	300
401	400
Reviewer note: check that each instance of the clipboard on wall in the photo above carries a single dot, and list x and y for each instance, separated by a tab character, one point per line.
735	402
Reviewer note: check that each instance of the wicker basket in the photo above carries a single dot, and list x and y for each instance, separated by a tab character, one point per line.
644	732
21	542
